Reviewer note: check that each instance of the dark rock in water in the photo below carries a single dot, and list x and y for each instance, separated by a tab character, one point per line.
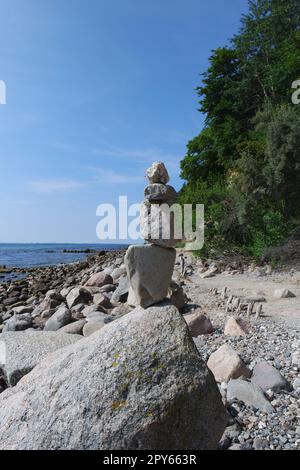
138	383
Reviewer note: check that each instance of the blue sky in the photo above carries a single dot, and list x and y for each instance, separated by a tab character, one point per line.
96	91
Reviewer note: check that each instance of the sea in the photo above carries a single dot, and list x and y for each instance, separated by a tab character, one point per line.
19	255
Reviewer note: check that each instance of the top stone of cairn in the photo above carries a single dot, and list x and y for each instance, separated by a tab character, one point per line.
157	173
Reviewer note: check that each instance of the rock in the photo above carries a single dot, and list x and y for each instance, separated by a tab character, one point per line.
91	309
249	394
158	173
296	384
226	364
160	194
235	327
177	295
91	327
74	328
60	318
118	272
18	323
127	387
268	378
102	301
121	310
158	225
107	288
54	295
78	295
198	324
23	351
121	292
76	311
149	270
283	294
99	279
46	304
96	321
211	272
23	309
65	291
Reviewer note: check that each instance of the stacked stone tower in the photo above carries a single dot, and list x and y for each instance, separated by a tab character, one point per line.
150	267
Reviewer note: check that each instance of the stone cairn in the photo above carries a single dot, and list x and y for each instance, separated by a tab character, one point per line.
150	266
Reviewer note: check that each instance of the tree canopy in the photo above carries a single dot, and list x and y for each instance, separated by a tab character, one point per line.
247	157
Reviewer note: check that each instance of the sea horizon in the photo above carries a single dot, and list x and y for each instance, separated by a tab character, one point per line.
29	255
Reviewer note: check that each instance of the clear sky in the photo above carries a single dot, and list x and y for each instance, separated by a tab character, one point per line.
96	91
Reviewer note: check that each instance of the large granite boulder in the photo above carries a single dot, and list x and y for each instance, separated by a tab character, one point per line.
138	383
21	351
149	270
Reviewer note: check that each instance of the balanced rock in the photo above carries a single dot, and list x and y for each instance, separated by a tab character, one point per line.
23	351
149	270
158	225
226	364
160	194
198	324
138	383
158	173
267	377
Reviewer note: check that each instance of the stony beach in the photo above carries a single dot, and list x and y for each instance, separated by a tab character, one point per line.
134	349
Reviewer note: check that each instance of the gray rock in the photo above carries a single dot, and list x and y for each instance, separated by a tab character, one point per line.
158	225
23	351
296	384
138	383
78	295
118	272
74	328
249	394
283	294
121	310
92	326
102	300
46	304
267	377
91	309
121	292
23	309
160	194
18	323
149	270
177	295
59	319
158	173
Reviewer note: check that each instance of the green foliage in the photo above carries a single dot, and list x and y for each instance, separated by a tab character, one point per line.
245	164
